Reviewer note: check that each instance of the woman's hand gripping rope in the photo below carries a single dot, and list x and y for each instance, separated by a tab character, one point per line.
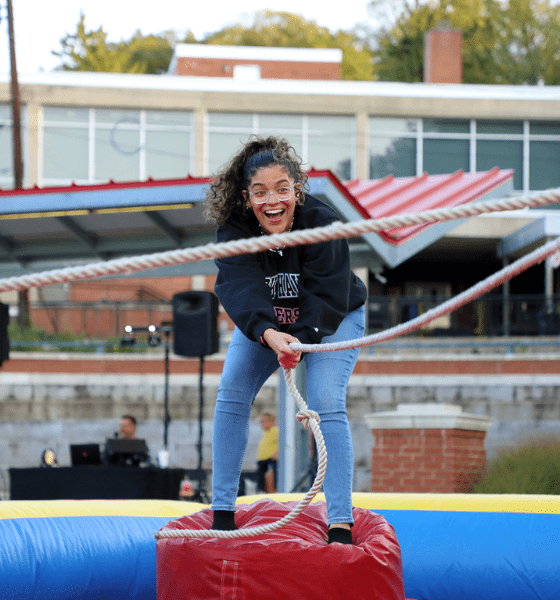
280	343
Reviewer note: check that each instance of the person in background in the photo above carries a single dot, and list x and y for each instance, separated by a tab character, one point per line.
267	454
278	297
127	429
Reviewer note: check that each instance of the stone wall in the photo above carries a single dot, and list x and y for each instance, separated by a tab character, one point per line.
39	410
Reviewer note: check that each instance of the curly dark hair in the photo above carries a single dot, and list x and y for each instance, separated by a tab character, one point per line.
225	196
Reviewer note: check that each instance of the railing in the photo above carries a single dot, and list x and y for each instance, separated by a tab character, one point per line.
491	315
101	324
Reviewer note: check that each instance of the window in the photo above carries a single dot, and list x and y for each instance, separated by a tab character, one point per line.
544	154
506	154
543	165
323	142
6	145
97	145
392	147
409	147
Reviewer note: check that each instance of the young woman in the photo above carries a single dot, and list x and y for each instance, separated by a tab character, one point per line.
304	294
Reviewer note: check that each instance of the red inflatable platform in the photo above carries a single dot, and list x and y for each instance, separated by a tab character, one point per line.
293	563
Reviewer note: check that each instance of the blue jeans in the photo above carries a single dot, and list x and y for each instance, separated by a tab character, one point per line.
247	366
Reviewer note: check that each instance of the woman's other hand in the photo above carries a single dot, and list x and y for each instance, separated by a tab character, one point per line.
279	342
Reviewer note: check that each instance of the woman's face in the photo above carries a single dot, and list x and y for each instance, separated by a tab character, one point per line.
275	216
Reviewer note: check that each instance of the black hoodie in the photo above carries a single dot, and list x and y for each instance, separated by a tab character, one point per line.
305	291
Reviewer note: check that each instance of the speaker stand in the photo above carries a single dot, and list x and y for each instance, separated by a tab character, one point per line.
200	495
167	416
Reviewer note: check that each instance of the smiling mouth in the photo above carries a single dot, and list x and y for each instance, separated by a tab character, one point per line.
274	214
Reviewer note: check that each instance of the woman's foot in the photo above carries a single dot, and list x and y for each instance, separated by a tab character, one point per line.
224	520
340	533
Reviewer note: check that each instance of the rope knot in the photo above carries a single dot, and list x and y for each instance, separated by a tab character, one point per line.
305	415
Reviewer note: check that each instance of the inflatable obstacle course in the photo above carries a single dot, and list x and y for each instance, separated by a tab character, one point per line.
453	546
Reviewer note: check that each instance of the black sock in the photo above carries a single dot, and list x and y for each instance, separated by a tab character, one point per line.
224	520
340	535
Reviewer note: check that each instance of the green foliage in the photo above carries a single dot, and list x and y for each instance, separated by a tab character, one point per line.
281	29
88	50
39	340
511	42
533	468
504	42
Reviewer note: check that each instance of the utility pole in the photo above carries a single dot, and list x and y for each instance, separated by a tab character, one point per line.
23	295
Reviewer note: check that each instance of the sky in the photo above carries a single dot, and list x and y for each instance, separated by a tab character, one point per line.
39	25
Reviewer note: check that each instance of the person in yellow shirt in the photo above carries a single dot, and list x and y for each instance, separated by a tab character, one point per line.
267	454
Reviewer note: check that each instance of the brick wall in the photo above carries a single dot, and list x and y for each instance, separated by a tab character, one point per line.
426	460
269	69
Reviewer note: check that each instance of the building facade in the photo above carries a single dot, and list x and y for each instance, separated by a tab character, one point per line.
96	127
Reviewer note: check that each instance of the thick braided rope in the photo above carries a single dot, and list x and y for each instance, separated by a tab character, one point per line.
450	305
253	245
128	265
310	419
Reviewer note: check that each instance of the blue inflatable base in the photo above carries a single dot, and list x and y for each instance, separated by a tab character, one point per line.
454	547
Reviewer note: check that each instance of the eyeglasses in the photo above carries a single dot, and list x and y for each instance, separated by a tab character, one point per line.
282	193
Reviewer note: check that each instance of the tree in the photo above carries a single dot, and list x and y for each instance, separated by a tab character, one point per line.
515	41
90	51
530	44
281	29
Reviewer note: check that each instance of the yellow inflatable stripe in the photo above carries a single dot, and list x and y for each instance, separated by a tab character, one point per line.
503	503
499	503
29	509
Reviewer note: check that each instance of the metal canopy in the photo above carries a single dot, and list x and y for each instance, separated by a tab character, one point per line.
48	228
54	227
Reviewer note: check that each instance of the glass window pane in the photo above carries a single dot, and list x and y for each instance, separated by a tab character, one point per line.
293	138
331	151
167	154
544	127
499	126
279	122
117	155
343	125
392	156
65	153
117	117
5	112
447	126
503	154
6	154
61	114
392	125
446	156
544	158
216	120
168	117
221	147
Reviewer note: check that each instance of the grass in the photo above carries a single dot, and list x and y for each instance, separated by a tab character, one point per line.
532	468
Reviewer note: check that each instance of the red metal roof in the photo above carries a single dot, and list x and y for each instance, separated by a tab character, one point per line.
379	198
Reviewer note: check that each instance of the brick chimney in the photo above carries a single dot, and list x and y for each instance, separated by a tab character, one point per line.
431	448
443	55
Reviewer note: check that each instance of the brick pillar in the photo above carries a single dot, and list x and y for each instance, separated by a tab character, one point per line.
432	448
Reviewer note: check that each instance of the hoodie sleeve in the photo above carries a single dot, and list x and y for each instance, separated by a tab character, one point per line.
242	289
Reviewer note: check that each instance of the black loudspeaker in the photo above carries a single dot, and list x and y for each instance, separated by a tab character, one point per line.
195	324
4	339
